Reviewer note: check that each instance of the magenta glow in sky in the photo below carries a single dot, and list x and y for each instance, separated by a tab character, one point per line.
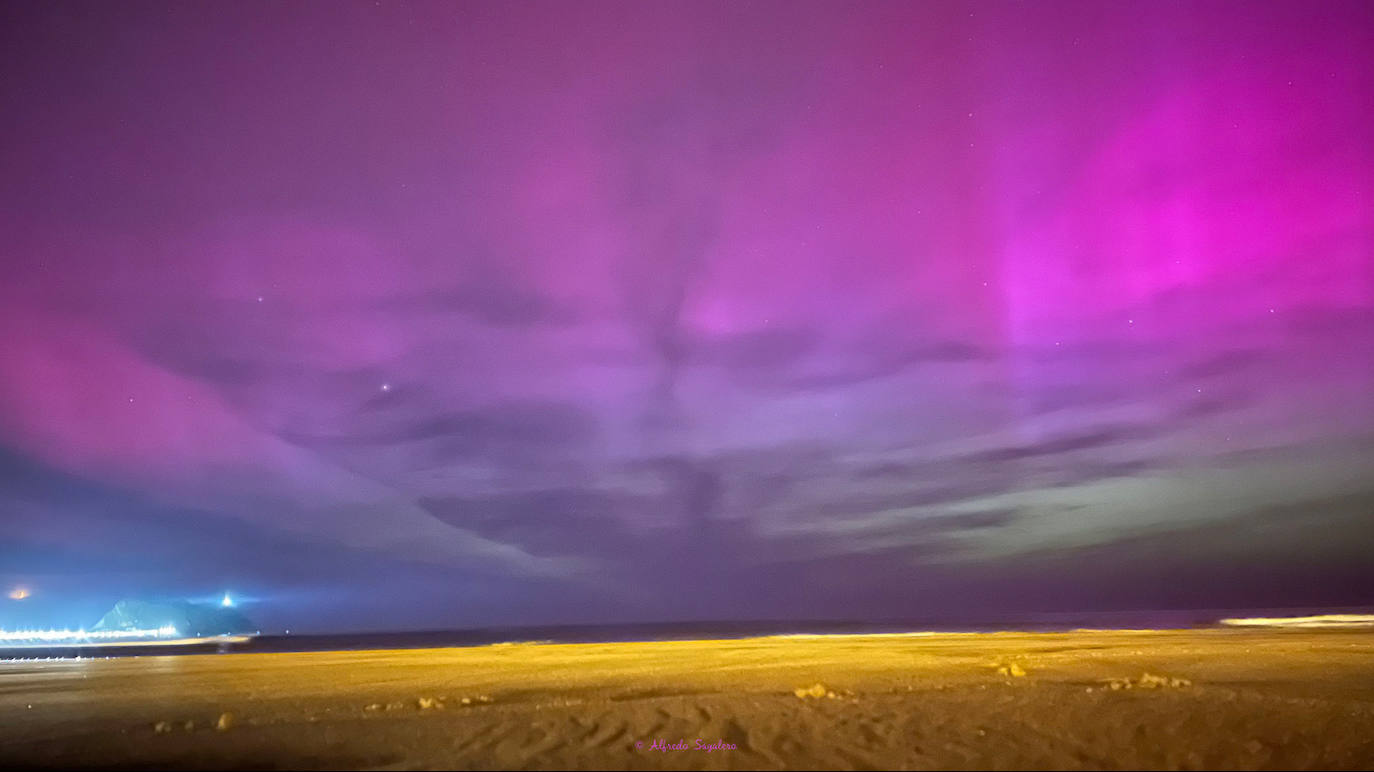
576	312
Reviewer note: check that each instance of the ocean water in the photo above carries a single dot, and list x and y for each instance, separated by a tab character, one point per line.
1034	622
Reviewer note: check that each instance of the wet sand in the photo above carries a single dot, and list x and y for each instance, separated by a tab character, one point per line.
1204	699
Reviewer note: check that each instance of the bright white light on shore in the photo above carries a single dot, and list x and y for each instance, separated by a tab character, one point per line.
227	601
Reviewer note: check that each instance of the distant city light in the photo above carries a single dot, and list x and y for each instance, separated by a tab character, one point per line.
19	593
80	636
227	601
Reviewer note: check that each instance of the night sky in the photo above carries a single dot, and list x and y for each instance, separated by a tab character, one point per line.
418	315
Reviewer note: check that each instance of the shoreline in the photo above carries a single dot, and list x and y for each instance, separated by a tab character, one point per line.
643	633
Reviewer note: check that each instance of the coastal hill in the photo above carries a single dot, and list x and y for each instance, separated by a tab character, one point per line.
191	620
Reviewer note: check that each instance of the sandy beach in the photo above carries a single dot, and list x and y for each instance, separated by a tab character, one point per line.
1250	699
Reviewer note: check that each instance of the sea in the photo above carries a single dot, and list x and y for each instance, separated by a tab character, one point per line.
700	630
